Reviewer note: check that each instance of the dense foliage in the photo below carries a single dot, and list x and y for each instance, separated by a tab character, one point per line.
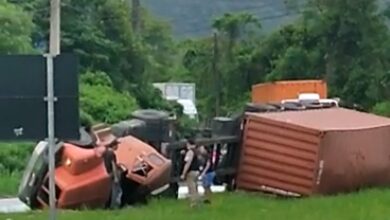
16	29
100	101
346	42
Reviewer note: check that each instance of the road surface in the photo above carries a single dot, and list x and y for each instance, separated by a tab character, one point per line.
14	205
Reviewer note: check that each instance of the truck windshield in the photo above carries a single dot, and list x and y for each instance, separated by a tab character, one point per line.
35	164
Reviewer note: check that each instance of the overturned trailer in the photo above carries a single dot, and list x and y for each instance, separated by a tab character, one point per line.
323	151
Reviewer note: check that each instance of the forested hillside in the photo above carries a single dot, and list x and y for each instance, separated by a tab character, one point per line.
192	18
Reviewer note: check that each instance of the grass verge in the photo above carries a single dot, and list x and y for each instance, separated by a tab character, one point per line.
371	204
9	184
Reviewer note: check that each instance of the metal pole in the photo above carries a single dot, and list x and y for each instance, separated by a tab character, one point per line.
55	18
55	6
135	14
51	135
216	75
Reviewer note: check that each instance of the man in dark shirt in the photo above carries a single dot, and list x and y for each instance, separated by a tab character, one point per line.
191	172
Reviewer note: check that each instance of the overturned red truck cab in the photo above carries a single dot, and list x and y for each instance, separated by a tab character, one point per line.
84	178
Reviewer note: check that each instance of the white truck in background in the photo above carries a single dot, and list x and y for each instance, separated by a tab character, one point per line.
182	93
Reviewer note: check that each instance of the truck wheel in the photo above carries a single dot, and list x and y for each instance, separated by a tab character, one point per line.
150	115
251	107
125	128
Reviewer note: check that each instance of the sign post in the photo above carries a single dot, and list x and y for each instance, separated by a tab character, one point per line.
55	10
50	99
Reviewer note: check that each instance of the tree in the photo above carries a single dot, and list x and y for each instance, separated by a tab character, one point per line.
100	33
235	45
355	38
234	26
16	29
345	42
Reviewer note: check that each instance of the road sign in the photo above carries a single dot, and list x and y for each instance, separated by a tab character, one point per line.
23	97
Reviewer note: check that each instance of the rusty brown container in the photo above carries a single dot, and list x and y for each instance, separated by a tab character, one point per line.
327	151
290	89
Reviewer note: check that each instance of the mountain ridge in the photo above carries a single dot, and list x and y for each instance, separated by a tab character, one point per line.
193	18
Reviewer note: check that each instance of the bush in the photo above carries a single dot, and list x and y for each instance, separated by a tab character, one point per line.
100	102
382	109
105	104
150	97
96	78
186	126
14	156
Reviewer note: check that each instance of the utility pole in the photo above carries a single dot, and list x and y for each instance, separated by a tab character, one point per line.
54	50
136	15
217	79
55	11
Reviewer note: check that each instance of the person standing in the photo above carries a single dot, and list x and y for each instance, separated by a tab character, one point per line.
207	174
191	172
106	151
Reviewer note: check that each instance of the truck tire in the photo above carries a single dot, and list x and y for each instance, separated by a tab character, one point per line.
292	107
251	107
150	115
128	127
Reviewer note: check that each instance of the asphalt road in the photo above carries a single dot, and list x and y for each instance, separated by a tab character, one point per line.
14	205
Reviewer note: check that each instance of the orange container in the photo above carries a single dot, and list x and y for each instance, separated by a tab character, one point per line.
280	90
313	152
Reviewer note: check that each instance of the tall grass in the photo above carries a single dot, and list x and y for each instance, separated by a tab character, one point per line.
9	183
371	204
13	160
14	156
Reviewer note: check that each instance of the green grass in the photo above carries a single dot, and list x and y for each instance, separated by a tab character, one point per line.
9	184
13	159
372	204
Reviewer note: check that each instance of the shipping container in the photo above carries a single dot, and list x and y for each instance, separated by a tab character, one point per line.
280	90
325	151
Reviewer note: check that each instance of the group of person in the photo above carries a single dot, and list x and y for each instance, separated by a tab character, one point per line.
198	166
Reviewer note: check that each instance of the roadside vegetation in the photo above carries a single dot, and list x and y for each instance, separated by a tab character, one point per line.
370	204
9	183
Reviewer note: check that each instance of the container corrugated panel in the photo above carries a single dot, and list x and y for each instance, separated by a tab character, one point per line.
325	151
278	156
280	90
